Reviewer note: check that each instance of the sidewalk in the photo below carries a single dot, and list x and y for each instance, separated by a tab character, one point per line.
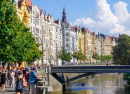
9	90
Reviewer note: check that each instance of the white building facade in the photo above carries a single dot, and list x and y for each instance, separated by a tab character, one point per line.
56	42
36	26
69	37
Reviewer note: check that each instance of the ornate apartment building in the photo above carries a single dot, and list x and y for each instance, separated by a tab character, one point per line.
52	35
69	36
56	42
98	44
104	44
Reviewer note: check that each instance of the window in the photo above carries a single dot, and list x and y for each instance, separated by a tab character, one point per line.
56	36
67	34
37	21
33	21
33	29
67	39
37	30
37	39
73	41
60	37
33	12
41	32
67	45
60	31
56	30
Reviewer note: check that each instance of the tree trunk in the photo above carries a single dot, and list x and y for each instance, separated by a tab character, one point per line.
3	64
19	63
8	66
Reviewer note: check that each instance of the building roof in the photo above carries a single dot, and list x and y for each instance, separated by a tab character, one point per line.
87	30
27	2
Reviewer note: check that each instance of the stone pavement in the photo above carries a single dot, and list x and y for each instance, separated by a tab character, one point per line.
9	90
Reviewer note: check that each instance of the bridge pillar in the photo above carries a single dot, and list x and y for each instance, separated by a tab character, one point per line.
63	88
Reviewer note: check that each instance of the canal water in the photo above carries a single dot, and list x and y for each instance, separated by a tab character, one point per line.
98	84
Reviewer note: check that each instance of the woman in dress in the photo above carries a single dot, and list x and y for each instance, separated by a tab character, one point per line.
3	80
20	83
12	79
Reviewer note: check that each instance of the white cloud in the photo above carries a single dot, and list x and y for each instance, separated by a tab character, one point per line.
108	22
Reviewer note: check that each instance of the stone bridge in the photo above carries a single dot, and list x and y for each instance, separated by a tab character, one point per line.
66	74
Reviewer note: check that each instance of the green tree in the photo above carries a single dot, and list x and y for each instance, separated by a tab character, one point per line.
102	58
16	43
108	57
96	56
64	56
79	56
121	52
8	28
75	55
127	77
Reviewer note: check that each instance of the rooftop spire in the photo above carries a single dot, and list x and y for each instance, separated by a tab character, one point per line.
64	14
64	20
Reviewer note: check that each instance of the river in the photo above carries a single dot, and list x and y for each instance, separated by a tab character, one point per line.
112	83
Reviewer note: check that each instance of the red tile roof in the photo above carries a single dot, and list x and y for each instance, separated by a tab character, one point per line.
40	11
28	3
56	21
72	27
87	30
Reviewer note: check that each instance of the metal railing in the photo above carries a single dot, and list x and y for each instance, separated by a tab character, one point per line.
82	69
41	71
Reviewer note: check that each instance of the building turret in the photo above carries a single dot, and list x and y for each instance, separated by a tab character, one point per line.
98	35
64	20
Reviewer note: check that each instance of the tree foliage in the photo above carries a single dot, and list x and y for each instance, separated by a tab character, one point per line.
64	56
127	77
106	58
79	56
121	52
16	43
95	56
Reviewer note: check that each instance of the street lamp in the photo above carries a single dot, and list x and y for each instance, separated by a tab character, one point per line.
56	60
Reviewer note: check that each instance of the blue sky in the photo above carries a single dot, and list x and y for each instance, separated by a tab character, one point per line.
104	16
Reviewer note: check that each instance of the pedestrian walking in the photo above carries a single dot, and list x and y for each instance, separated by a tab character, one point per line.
33	80
24	72
20	83
6	72
16	73
27	78
3	80
12	79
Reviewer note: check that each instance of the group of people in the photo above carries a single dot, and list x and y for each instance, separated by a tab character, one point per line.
21	78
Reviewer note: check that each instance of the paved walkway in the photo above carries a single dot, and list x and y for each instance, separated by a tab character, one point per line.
9	90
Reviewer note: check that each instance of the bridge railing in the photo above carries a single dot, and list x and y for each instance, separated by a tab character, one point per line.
87	68
41	71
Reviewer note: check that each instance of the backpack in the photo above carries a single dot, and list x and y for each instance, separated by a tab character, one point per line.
27	77
19	84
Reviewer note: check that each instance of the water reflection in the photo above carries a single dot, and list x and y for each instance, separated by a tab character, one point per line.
99	84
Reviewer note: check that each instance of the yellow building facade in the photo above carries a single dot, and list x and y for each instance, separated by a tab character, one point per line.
24	13
80	40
